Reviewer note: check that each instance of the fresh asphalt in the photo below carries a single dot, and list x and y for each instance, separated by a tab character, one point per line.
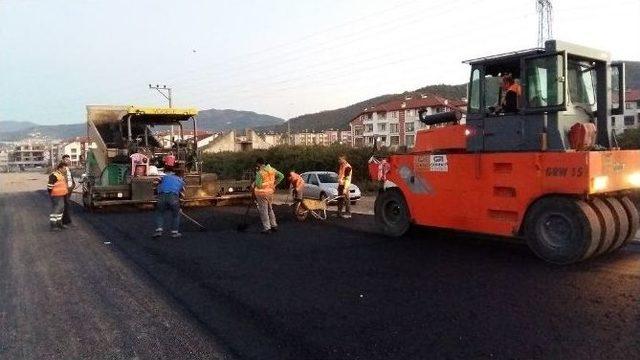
314	290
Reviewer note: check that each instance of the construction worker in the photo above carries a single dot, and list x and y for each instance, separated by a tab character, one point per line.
344	181
511	94
169	189
71	184
267	178
58	190
296	184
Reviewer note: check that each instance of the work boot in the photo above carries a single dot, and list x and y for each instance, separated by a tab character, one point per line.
53	227
274	229
157	233
175	234
265	232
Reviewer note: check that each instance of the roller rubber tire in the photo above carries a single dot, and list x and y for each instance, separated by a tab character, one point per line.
634	218
392	213
607	223
562	230
621	221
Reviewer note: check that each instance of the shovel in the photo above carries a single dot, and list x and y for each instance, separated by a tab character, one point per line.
244	224
192	220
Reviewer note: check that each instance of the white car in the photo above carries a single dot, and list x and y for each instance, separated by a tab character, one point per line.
324	184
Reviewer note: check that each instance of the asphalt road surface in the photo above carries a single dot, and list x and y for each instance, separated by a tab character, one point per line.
314	290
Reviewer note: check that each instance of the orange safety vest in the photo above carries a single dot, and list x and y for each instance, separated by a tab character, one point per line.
296	181
342	179
268	186
60	187
516	88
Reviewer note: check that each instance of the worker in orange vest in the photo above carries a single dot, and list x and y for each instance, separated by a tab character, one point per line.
58	190
296	184
511	94
344	181
267	178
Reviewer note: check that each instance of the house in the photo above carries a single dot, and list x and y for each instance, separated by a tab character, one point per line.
394	123
236	142
631	117
75	148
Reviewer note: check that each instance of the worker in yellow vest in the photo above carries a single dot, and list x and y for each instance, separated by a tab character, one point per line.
267	178
58	190
344	182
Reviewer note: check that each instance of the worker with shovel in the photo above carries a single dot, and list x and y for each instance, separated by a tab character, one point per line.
267	178
169	188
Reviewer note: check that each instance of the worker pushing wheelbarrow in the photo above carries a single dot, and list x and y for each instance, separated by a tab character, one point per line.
302	206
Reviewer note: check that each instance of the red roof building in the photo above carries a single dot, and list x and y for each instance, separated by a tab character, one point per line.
395	122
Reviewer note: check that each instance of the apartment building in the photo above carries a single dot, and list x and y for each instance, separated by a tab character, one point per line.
309	138
631	117
395	123
33	154
337	136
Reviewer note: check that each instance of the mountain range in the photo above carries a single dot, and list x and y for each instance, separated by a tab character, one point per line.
210	120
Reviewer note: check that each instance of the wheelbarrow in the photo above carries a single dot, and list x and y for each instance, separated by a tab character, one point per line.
317	208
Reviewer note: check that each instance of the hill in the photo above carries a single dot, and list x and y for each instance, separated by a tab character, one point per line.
45	131
220	120
7	126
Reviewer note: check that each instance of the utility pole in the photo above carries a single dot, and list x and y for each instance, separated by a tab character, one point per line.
545	21
167	96
162	90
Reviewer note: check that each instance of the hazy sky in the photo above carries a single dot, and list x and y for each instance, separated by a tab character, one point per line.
278	57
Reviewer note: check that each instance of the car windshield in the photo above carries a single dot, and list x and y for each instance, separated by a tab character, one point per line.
328	177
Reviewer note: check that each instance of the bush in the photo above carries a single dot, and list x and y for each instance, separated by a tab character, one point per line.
233	165
630	139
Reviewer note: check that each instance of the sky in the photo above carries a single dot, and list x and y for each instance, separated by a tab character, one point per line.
280	57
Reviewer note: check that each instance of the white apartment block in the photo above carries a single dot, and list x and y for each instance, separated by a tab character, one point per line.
395	123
